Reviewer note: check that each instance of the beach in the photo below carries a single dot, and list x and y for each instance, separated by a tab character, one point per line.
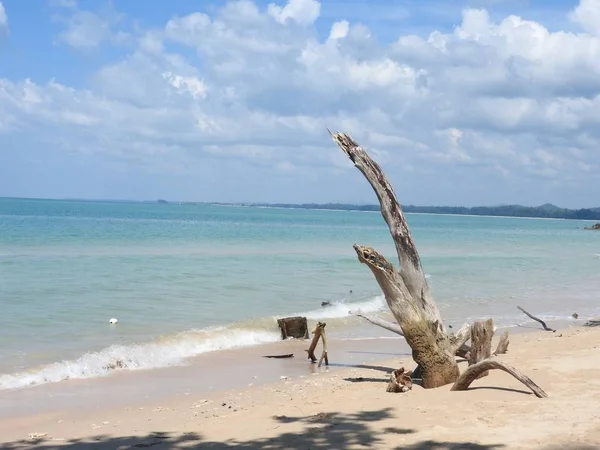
348	407
197	291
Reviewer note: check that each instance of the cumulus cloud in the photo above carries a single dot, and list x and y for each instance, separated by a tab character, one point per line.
587	14
303	12
489	110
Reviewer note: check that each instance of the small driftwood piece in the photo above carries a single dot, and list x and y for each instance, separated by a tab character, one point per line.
461	335
481	342
502	347
315	340
289	355
473	372
540	321
324	356
293	327
592	323
318	333
400	381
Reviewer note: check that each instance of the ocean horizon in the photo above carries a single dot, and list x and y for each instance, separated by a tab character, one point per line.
184	280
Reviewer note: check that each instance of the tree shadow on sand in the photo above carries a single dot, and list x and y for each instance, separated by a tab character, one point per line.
320	431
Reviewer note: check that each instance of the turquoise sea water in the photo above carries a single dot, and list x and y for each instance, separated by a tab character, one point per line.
185	279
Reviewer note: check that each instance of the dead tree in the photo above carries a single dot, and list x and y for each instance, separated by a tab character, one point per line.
406	290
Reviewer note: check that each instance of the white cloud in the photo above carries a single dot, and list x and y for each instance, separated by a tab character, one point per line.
87	30
587	14
3	18
304	12
496	102
339	30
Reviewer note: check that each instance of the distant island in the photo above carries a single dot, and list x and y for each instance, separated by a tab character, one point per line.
547	211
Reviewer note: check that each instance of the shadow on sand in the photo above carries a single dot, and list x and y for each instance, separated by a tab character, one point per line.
321	431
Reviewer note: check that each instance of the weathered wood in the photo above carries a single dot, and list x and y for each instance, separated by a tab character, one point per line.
502	347
406	291
400	381
411	273
293	327
430	345
473	372
324	356
532	317
463	351
390	326
315	340
481	342
288	355
459	339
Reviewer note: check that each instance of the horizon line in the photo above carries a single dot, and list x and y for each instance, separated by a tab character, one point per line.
160	200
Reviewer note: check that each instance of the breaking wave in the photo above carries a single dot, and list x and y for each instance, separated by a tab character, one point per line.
173	350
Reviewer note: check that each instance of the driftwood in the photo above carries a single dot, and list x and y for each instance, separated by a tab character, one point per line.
473	372
318	333
289	355
400	381
315	340
324	356
502	347
463	351
293	327
406	290
532	317
592	323
481	342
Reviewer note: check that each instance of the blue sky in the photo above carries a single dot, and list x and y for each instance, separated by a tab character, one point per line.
462	102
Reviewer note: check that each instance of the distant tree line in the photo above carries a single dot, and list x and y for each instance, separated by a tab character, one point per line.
545	211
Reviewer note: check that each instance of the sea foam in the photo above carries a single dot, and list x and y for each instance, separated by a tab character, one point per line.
172	350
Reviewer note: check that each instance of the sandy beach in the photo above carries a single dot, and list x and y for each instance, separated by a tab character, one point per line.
349	408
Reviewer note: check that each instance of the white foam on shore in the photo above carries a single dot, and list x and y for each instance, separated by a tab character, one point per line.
172	350
339	310
160	353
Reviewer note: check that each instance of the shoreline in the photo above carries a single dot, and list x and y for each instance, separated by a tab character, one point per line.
126	380
565	364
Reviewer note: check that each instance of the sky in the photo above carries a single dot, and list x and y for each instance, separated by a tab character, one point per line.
477	102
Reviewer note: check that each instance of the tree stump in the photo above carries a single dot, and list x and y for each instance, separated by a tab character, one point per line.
481	343
293	327
502	344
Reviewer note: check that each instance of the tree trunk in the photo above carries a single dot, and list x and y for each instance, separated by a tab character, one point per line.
406	291
481	342
461	336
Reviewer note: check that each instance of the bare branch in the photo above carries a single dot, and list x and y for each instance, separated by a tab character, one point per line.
473	372
532	317
390	326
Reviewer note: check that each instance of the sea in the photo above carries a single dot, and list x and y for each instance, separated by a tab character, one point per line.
184	279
